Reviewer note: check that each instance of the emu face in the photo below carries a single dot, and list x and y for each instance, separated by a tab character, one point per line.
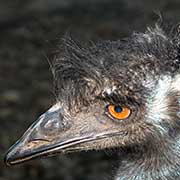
113	94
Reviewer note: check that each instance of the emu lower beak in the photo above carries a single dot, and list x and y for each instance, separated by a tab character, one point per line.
50	135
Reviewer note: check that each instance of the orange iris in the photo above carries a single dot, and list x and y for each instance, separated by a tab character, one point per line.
118	112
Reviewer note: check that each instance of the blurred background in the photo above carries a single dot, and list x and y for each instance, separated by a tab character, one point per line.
27	29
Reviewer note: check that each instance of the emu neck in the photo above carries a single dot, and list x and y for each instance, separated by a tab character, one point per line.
150	163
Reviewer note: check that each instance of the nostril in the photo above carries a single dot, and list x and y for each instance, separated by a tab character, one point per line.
53	123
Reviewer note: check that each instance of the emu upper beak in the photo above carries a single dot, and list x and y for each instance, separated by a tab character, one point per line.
51	134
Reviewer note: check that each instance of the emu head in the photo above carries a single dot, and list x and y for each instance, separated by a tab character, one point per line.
112	94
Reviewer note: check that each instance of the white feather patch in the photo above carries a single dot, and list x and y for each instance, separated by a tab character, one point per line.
157	105
110	90
176	83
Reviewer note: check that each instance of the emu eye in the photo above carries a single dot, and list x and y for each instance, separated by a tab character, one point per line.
118	112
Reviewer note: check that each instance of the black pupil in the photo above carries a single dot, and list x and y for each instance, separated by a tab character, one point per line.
118	109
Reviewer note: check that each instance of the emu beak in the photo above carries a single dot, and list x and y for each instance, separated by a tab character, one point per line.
50	134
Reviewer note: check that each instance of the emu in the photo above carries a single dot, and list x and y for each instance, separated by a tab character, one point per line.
122	94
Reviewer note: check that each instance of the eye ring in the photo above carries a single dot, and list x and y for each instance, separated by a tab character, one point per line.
118	112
